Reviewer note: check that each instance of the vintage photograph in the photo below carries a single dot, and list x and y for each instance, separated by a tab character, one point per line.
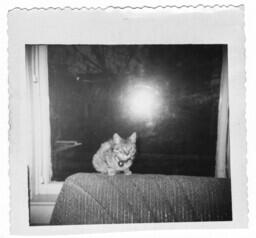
126	119
129	134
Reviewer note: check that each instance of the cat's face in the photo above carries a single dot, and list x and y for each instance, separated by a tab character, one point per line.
124	148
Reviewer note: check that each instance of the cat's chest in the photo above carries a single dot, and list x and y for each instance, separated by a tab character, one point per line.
114	162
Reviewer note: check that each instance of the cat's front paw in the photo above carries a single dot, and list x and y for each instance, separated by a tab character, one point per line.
111	173
127	172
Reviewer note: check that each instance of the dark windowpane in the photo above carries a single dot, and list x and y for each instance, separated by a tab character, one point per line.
92	91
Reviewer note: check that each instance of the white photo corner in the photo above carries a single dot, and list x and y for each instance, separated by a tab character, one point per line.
127	118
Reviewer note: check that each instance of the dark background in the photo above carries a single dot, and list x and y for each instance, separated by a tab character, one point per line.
87	88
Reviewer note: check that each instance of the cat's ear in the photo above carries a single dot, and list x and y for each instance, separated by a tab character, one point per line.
133	137
116	138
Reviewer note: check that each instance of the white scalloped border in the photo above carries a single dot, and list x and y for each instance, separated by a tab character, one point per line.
131	7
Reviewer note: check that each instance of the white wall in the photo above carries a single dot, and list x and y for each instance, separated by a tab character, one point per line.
41	207
40	213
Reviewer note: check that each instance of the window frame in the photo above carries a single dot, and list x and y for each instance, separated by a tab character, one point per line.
40	168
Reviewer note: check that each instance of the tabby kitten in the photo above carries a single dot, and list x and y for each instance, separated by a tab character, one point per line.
115	155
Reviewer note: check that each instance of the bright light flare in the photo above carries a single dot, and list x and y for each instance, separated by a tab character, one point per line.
143	102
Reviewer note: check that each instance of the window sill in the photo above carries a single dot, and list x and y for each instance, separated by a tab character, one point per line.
52	188
47	199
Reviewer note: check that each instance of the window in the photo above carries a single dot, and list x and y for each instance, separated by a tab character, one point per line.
82	95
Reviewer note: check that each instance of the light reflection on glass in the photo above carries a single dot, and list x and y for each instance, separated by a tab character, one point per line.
144	103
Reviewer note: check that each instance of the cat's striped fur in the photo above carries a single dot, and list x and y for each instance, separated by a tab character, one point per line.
115	155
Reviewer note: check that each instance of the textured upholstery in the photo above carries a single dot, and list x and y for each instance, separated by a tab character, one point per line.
100	199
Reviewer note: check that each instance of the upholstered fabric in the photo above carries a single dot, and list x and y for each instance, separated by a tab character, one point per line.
101	199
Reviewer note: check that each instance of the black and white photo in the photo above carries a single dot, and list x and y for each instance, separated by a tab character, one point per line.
125	129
